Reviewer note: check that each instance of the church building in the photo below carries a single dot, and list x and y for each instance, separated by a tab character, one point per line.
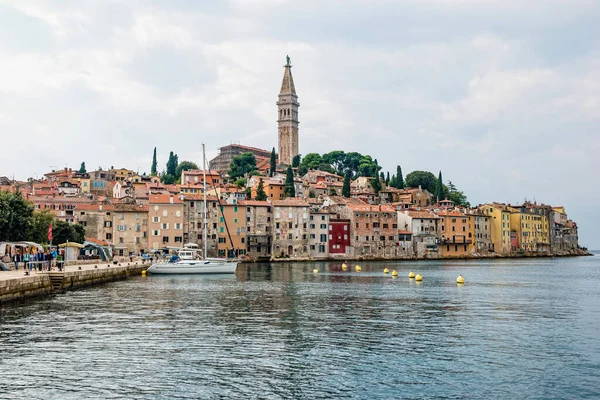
287	121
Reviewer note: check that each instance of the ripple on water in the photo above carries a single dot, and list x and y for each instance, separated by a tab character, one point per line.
514	330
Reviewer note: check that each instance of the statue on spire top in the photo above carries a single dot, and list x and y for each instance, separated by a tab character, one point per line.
287	58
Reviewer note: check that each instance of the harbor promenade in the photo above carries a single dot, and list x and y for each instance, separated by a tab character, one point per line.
16	284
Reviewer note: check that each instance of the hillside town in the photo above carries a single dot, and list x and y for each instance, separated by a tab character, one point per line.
282	208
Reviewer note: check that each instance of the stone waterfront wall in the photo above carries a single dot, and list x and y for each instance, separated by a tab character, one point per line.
41	284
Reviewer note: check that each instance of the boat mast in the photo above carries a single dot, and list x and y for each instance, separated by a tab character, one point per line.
205	233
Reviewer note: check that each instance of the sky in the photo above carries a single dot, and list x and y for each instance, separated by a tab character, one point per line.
501	96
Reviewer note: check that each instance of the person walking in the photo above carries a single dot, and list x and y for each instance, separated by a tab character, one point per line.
16	259
26	260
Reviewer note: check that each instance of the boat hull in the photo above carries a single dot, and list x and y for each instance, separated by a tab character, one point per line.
200	267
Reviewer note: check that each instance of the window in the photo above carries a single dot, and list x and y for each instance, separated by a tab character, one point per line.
108	224
312	236
155	219
82	213
165	239
323	237
289	225
312	246
356	225
322	218
164	226
221	240
108	236
137	228
221	229
235	220
323	226
276	225
155	232
321	248
178	239
345	227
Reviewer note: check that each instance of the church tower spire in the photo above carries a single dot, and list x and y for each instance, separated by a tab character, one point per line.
287	120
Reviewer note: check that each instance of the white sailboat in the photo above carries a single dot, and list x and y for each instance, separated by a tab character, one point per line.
188	261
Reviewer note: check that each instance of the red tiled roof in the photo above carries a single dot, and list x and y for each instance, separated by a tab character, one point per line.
164	199
290	202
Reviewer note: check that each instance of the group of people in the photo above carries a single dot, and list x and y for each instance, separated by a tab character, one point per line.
42	260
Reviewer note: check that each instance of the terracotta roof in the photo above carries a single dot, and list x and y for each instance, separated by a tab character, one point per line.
100	242
452	213
255	203
290	202
164	199
95	207
422	214
194	172
401	232
371	208
245	147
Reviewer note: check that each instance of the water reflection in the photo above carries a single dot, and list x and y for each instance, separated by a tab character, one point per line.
280	331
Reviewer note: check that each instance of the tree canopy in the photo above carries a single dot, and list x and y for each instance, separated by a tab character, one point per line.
241	165
184	166
346	186
172	164
296	161
425	179
153	170
339	162
15	216
82	168
290	190
260	191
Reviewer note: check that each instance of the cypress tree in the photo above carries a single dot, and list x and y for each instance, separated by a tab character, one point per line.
440	188
273	163
260	191
399	179
153	171
82	168
387	179
346	187
296	161
290	191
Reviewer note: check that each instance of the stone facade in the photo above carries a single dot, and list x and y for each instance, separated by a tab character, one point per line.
258	229
130	229
291	231
97	220
193	216
319	234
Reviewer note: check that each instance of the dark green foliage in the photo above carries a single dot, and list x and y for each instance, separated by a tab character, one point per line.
387	178
167	179
346	187
82	168
425	179
399	178
439	191
382	176
40	221
63	231
153	171
248	193
172	164
290	190
273	163
376	184
457	196
242	165
184	166
296	161
260	191
15	216
311	161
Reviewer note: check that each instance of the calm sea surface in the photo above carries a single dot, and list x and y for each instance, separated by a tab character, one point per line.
518	329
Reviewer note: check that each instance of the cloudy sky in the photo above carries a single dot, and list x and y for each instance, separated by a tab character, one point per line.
502	96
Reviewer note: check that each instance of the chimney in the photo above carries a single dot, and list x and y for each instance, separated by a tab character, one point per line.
171	199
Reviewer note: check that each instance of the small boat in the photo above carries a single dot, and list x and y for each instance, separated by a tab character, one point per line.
187	260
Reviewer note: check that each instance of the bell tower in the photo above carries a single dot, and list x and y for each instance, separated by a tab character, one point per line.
287	117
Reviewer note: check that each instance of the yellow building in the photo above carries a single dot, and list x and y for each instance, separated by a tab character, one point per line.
528	227
85	184
123	173
500	224
232	228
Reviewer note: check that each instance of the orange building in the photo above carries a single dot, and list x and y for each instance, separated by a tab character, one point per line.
166	221
274	188
455	234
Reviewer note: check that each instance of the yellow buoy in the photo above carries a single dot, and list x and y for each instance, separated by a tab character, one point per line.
358	268
418	278
344	267
460	279
411	274
394	273
386	271
143	272
315	271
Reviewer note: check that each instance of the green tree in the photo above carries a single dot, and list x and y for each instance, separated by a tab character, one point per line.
382	176
399	178
260	191
296	161
368	167
40	221
439	190
153	171
242	165
458	197
184	166
387	178
273	163
82	168
424	179
290	190
15	216
346	186
167	179
311	161
393	182
337	160
240	183
172	164
63	231
376	184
